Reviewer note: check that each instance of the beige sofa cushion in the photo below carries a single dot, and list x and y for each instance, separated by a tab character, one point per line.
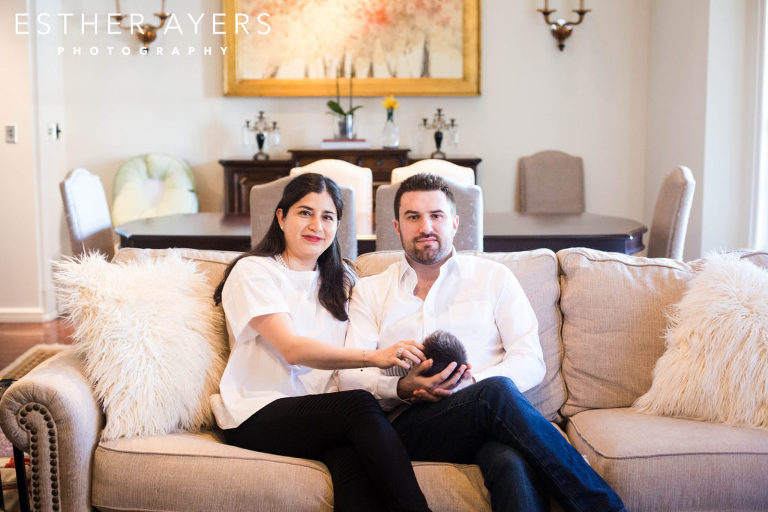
537	273
197	472
715	367
661	463
213	263
759	258
614	316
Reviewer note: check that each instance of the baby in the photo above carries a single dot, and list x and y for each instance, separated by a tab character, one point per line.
443	348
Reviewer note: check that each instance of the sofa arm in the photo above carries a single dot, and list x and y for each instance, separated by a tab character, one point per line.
51	414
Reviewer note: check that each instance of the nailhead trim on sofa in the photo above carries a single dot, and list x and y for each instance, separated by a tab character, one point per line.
37	421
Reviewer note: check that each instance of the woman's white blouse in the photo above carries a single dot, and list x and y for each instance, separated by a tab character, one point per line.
256	373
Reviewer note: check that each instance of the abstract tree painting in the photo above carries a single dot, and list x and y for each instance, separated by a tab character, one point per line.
417	47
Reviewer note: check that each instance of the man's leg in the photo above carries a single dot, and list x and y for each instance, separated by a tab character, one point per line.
453	429
513	484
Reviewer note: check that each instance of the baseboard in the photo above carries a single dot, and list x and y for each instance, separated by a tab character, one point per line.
24	315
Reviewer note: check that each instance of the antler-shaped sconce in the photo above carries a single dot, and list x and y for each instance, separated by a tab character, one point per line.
562	29
146	33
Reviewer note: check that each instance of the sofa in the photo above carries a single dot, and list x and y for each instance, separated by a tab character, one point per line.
601	324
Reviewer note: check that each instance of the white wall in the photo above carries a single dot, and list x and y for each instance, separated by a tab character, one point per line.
20	282
701	113
677	79
588	100
731	106
48	78
629	94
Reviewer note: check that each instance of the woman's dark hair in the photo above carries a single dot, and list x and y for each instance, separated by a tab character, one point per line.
335	277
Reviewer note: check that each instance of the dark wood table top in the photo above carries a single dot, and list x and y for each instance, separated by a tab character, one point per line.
504	231
205	230
561	230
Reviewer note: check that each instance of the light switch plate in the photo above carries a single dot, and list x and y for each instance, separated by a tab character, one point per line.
10	134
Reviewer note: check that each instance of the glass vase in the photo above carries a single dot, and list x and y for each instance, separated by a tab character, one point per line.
346	127
390	135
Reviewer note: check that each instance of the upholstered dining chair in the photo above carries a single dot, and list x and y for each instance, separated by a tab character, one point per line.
264	199
87	213
358	178
153	185
444	168
469	207
550	182
670	215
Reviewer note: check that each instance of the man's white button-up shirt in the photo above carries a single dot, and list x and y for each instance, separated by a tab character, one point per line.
477	300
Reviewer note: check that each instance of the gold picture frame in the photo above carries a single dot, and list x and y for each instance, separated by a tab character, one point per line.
467	84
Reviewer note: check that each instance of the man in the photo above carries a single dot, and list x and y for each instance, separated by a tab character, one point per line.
454	416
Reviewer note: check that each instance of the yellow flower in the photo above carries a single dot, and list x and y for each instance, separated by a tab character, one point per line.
390	102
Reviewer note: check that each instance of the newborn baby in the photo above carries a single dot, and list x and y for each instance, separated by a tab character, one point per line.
443	348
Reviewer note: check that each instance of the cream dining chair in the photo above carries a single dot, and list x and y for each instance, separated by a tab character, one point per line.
87	213
670	215
360	179
457	173
551	182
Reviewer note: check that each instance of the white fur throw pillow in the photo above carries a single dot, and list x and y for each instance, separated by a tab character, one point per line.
715	367
149	337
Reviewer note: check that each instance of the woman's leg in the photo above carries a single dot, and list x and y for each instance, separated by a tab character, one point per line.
308	426
352	488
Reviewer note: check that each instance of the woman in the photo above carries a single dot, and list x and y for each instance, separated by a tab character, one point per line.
285	306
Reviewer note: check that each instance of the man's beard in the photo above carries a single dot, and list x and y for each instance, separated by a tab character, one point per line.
426	255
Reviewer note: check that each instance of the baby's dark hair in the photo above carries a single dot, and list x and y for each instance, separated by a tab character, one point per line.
443	348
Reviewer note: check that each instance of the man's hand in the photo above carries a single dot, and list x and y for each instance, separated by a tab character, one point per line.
459	380
418	388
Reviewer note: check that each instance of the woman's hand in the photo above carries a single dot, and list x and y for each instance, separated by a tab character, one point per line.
403	353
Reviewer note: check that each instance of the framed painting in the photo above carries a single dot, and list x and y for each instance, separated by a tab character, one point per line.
379	47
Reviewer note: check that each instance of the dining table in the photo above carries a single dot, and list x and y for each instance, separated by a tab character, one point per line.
502	232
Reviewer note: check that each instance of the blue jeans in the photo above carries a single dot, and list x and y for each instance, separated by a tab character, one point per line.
512	482
471	425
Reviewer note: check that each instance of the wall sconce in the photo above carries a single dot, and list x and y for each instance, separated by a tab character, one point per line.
148	33
562	29
439	124
261	128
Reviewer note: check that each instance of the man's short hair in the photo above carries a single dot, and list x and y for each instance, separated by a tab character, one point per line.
423	182
443	348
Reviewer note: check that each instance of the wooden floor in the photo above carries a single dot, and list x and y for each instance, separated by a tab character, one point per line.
17	338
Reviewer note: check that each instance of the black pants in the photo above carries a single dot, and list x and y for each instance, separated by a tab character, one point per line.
349	433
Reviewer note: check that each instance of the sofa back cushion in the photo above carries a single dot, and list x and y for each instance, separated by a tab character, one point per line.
759	258
211	263
614	316
715	367
537	273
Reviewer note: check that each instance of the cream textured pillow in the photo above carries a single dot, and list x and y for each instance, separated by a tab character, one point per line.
715	367
148	334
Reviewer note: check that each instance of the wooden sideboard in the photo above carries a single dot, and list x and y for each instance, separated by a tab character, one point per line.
241	175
